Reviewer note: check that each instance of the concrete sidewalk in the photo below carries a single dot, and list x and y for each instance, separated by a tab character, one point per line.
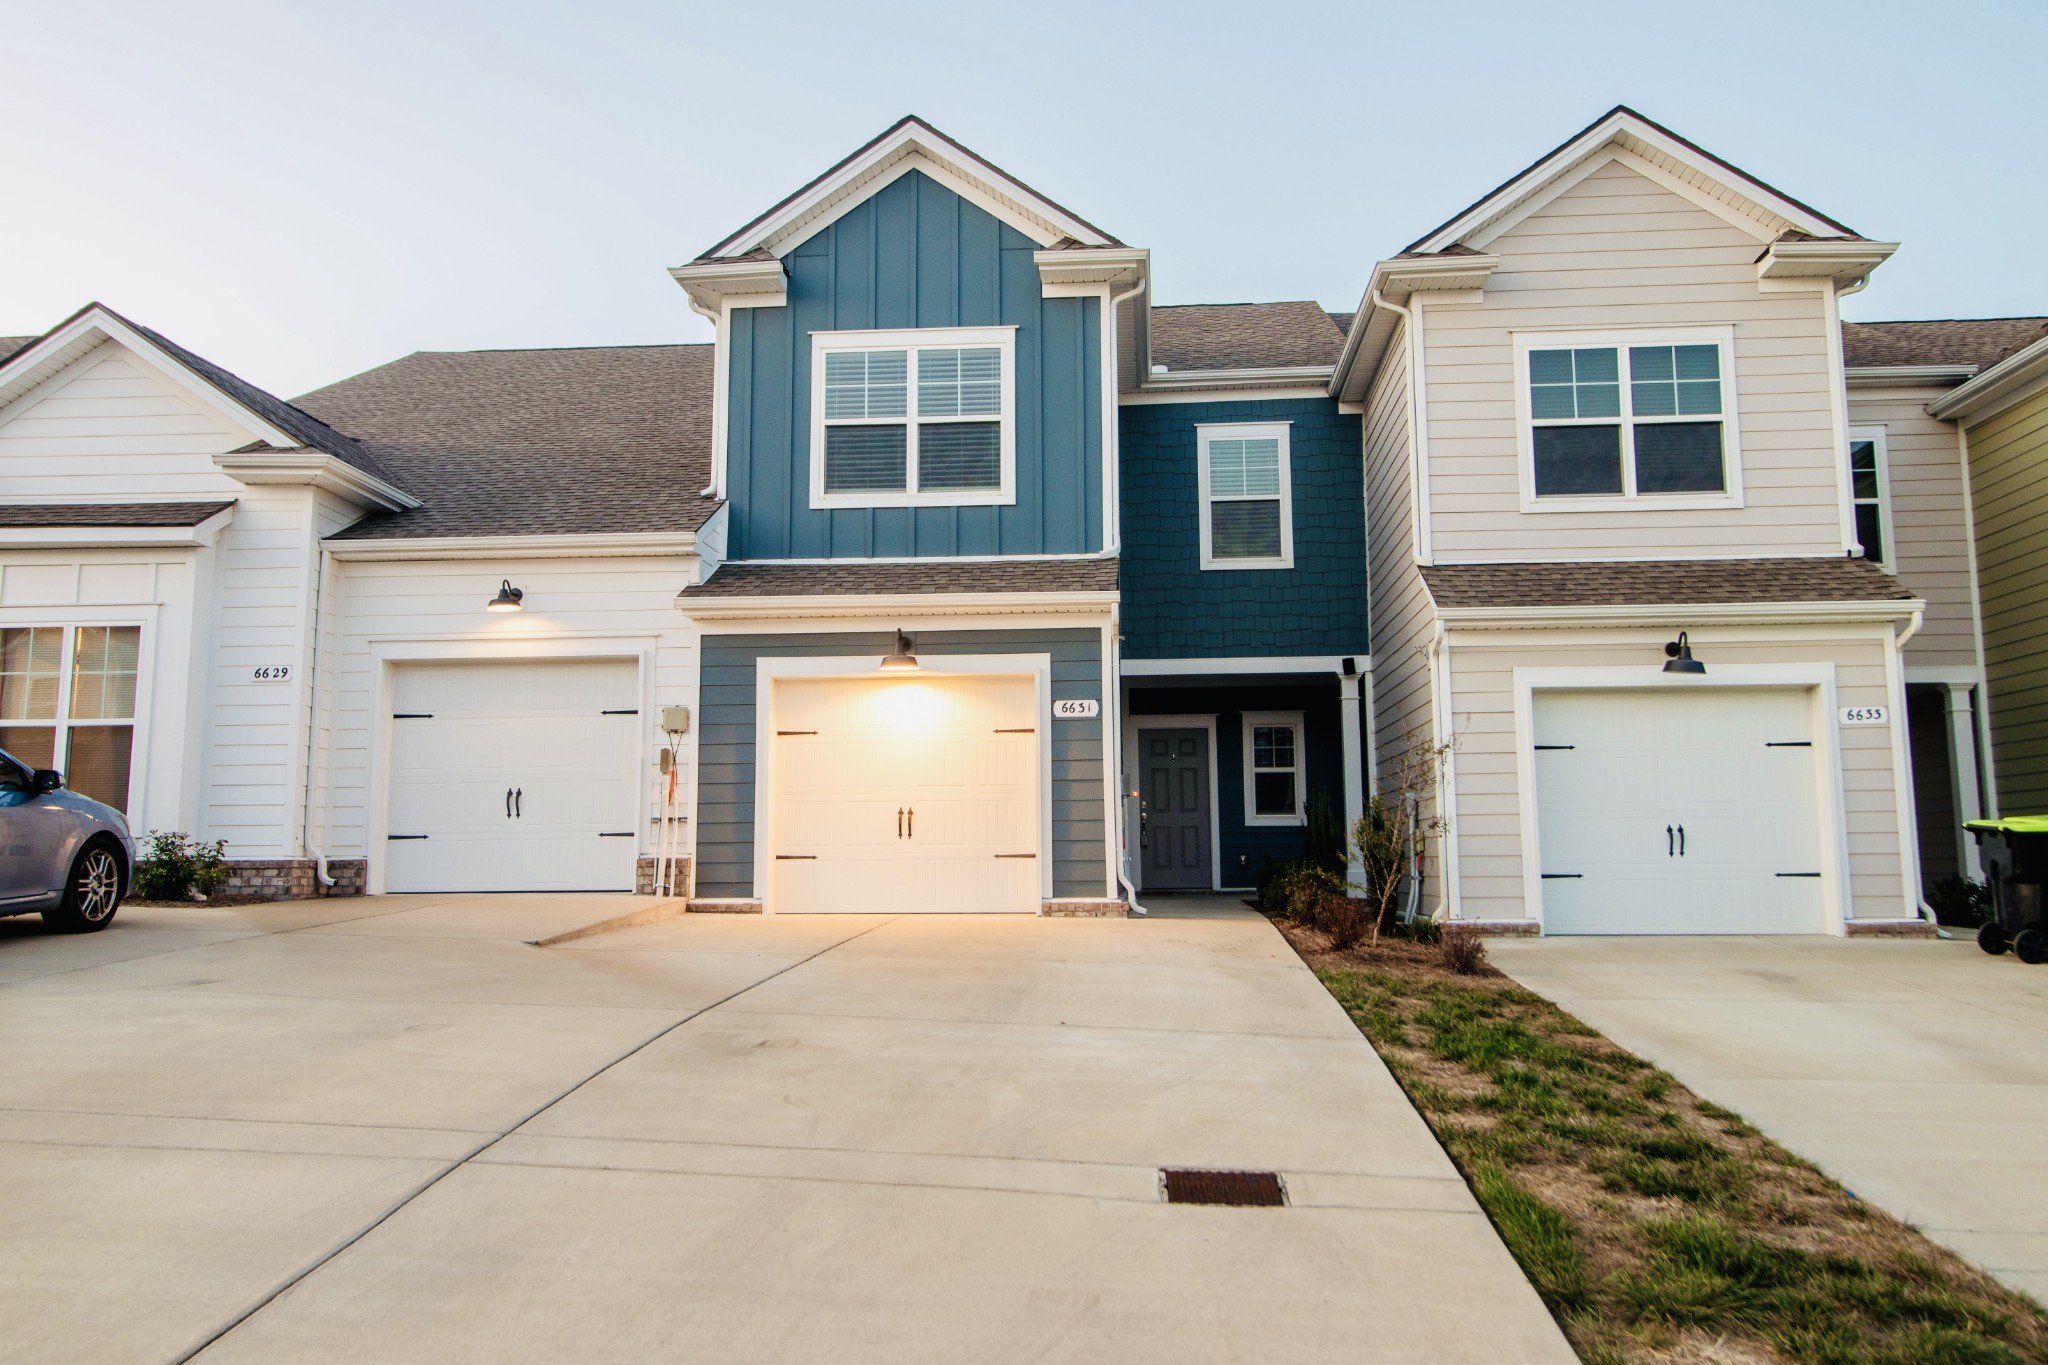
394	1131
1915	1071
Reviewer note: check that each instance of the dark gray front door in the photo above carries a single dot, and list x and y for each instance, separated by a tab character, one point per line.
1175	810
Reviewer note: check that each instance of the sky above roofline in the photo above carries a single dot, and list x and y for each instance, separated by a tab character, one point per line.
456	176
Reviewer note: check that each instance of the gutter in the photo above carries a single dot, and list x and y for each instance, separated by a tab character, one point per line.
2014	372
1723	613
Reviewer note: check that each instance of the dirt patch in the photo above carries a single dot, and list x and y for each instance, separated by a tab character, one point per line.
1657	1226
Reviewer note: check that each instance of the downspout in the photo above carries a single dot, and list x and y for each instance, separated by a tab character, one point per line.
1113	732
718	335
1415	488
1913	628
315	767
1113	453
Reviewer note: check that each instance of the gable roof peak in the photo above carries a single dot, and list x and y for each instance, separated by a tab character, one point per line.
910	143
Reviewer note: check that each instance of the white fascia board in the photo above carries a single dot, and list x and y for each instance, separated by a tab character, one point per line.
1276	377
300	465
1843	262
743	284
1398	280
588	546
912	138
43	359
1119	267
888	606
115	537
1721	613
1998	387
1906	376
1625	127
1244	664
1223	393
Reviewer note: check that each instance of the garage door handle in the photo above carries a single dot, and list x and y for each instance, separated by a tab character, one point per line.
519	804
422	836
623	834
1797	874
1681	841
1670	849
1016	855
911	826
899	822
796	857
1563	876
508	803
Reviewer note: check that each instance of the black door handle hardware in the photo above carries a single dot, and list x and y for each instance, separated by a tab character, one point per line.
1681	841
622	834
508	803
912	823
519	804
422	836
796	857
1669	848
1562	876
899	822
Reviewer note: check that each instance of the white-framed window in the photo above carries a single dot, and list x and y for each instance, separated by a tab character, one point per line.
1870	491
1246	490
67	701
914	418
1636	418
1275	768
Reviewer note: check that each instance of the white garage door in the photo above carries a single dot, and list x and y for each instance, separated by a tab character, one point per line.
514	777
1678	812
910	794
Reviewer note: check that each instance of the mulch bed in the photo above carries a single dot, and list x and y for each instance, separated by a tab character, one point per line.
1657	1226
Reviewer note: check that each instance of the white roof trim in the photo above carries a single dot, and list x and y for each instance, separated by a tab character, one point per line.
594	545
45	359
912	145
1905	376
203	533
1721	613
895	605
300	465
1997	388
1661	149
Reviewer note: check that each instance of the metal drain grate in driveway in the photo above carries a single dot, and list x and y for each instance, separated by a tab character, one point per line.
1242	1188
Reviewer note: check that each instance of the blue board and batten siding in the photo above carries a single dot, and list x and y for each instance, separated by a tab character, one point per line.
916	255
726	744
1175	609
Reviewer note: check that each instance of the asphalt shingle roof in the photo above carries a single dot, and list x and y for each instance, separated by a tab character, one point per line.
1981	342
1684	583
9	345
1243	336
929	576
588	439
110	513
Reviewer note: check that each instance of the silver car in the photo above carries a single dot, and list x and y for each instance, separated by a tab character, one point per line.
61	854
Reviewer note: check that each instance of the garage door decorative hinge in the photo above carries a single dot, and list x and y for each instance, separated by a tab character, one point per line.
796	857
1557	746
796	732
1016	855
1788	744
1797	874
622	834
405	836
1562	876
412	715
632	711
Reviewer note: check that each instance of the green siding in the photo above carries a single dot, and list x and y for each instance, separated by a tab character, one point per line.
2009	493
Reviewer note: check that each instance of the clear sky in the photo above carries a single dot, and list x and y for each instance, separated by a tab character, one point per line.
302	191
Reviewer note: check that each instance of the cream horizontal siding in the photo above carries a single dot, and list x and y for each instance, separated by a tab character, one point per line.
2009	488
443	601
110	427
1487	821
1928	528
1619	250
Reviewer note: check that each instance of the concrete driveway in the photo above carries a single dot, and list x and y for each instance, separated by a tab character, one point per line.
1914	1071
393	1130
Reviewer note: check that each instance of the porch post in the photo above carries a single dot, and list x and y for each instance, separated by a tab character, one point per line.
1962	771
1354	767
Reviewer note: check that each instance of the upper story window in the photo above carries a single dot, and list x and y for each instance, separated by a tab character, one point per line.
917	418
1869	492
1247	499
1628	418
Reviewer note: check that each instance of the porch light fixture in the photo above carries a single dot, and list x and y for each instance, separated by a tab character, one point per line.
902	659
1678	657
509	598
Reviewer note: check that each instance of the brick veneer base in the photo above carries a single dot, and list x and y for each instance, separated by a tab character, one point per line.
289	879
1081	908
1502	928
1918	928
733	906
644	876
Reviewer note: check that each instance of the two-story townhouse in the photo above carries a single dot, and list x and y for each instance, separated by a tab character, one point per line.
1946	446
1616	574
982	583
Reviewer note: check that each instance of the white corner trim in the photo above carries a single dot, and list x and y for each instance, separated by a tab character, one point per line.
1297	722
912	341
1282	432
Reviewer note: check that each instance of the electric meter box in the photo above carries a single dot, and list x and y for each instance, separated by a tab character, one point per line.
675	720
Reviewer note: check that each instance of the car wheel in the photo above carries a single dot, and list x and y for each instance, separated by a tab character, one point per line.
92	893
1991	938
2030	946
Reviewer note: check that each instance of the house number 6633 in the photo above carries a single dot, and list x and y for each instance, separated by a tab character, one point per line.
1865	715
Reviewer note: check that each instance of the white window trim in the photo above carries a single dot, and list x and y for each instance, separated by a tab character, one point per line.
64	722
1004	339
1205	432
1885	525
1296	720
1628	499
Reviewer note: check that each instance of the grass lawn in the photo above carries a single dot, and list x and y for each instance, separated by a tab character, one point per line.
1658	1227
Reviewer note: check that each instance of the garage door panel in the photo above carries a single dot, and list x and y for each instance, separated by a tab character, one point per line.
1677	811
467	734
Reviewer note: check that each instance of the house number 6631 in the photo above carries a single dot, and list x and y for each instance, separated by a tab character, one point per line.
1076	710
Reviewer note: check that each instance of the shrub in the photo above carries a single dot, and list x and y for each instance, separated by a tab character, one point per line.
1461	949
1345	919
175	865
1960	901
1322	835
1294	889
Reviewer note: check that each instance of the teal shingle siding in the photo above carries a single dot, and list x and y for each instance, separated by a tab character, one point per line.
725	743
916	255
1173	608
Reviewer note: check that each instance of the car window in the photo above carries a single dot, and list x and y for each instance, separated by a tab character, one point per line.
17	784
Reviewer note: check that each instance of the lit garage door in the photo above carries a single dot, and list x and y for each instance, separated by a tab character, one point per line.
1678	812
911	794
514	777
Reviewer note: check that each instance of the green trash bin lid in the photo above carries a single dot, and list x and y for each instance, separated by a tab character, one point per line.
2012	824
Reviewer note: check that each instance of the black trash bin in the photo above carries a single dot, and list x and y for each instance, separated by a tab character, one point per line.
2015	856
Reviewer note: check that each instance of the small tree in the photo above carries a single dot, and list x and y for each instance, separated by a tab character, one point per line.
1401	818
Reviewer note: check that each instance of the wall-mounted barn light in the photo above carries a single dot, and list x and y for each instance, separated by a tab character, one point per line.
509	598
1678	657
902	658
